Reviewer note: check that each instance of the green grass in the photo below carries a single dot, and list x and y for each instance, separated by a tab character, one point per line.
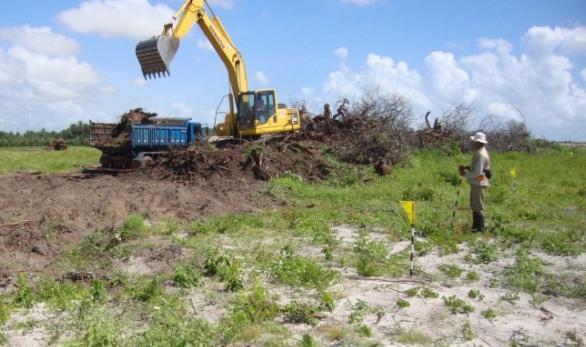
526	273
546	209
411	337
489	314
14	159
298	271
429	294
451	270
401	303
243	251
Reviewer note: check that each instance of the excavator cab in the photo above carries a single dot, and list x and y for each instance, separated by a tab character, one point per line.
256	108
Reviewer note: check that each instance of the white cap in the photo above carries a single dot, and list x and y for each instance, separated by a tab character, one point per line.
479	137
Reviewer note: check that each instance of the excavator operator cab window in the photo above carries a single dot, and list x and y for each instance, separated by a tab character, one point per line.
265	105
246	110
260	106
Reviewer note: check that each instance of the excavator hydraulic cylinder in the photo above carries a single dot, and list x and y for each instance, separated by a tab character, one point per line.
155	55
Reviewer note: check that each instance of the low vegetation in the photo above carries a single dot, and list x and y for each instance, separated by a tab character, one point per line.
274	277
14	159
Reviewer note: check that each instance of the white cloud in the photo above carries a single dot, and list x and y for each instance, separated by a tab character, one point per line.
545	40
261	78
380	73
341	53
45	86
205	45
139	82
360	2
136	19
538	80
40	40
52	77
226	4
449	81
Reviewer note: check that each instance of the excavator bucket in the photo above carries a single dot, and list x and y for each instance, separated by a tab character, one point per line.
155	55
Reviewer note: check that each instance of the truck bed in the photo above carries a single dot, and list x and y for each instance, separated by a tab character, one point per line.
102	137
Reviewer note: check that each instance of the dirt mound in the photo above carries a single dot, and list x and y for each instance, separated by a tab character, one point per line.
42	215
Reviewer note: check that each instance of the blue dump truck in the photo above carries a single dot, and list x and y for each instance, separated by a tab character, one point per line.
140	138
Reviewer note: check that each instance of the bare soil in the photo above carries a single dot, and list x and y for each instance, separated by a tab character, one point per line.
42	215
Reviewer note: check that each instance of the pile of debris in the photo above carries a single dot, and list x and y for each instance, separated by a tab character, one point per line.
449	132
118	135
256	160
57	144
374	131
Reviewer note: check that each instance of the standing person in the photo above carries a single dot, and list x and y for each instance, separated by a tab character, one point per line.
478	175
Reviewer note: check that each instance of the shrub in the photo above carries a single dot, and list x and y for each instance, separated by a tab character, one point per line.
187	277
371	257
60	295
4	311
452	271
412	292
485	252
428	293
307	341
227	269
456	305
566	243
327	302
364	330
301	313
98	292
489	314
147	289
172	326
328	252
132	228
467	332
474	294
472	276
24	296
525	274
295	270
403	303
256	307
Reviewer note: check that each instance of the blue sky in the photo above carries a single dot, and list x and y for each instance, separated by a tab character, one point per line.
63	61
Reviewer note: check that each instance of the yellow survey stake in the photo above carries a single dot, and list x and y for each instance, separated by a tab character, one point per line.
409	207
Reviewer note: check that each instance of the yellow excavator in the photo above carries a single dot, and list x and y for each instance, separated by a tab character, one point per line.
257	112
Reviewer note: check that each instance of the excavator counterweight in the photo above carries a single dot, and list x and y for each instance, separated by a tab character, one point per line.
155	55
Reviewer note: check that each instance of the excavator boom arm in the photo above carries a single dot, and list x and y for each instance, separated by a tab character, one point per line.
155	55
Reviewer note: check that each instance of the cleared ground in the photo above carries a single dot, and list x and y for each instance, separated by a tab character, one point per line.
296	263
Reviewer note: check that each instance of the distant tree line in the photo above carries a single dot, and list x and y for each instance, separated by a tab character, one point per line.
77	134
